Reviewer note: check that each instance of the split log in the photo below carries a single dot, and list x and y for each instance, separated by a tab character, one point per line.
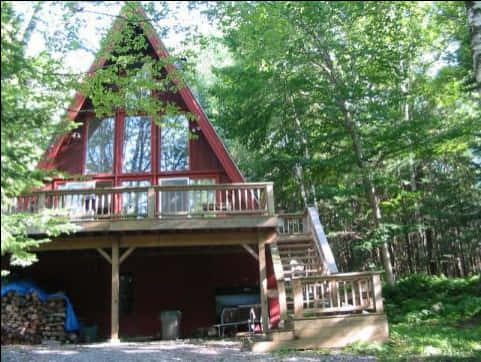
28	320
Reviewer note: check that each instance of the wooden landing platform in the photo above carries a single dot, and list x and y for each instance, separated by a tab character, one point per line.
327	332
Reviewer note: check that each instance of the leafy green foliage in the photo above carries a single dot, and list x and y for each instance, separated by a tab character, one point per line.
431	317
31	97
364	109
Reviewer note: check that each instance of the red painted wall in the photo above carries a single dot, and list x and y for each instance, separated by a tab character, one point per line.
161	282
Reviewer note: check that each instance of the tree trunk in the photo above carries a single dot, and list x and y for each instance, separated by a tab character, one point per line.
430	249
370	191
474	19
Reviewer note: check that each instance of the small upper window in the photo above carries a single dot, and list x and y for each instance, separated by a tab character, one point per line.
175	144
136	153
100	146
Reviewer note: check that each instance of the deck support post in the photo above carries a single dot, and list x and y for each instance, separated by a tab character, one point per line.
114	331
281	288
263	283
377	293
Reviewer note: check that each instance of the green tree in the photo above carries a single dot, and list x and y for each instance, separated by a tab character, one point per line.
340	97
31	95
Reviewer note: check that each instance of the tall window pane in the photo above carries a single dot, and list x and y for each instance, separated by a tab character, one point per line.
136	151
175	144
100	146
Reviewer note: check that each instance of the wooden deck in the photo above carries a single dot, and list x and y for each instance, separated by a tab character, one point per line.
158	208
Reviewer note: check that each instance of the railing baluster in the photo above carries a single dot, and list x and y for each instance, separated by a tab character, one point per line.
353	294
361	301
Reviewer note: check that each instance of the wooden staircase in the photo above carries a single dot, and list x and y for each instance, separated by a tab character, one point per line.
302	250
299	256
319	307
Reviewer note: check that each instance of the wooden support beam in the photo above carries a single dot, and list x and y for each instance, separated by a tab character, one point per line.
250	251
126	254
263	283
105	255
114	329
159	239
279	275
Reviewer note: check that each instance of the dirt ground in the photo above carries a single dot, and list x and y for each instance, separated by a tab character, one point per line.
160	351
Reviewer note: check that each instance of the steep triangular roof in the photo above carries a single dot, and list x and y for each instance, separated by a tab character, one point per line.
191	102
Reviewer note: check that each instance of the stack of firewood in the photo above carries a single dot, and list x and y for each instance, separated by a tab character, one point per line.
28	320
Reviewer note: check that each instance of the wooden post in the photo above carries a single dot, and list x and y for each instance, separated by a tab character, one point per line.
270	199
114	332
41	202
279	274
151	202
263	283
377	293
298	298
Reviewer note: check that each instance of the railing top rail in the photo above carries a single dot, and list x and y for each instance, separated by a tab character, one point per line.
235	186
339	276
120	189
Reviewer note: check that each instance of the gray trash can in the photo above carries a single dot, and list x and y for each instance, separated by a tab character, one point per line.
170	320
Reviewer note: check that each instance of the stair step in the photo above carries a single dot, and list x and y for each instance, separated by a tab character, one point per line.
300	255
296	246
283	237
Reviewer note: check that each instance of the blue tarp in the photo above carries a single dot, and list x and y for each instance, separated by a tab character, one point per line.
24	288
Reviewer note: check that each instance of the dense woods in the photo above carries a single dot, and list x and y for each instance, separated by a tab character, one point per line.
368	110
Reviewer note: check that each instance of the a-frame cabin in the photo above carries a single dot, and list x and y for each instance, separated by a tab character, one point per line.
166	222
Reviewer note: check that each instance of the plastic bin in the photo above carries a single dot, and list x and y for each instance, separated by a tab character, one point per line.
170	320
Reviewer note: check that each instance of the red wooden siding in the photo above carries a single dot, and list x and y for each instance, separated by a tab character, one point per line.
185	282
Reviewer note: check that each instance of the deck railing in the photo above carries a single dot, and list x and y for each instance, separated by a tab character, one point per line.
155	201
292	223
337	294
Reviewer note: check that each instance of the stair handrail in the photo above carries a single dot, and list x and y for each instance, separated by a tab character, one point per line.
323	247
